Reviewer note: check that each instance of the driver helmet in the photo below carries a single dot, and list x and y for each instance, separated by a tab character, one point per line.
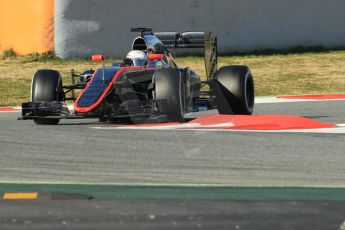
136	58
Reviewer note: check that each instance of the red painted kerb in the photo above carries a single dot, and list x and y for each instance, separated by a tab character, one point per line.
316	97
7	109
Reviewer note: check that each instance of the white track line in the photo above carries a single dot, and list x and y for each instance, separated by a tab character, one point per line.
269	100
336	130
14	111
340	128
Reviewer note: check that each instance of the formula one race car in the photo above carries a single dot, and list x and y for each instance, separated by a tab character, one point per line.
147	86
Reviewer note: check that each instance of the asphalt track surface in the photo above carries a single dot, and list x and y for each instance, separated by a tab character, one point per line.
142	214
76	153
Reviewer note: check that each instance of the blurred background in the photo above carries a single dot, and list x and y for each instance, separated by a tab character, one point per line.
78	28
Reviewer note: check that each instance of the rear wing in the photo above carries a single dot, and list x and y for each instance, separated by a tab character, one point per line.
203	40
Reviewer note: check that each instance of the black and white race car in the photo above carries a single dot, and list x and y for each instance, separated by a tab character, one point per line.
147	86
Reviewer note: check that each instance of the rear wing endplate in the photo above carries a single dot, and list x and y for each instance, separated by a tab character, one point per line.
204	40
210	55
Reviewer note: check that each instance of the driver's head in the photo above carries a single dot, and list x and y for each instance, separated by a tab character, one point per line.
136	58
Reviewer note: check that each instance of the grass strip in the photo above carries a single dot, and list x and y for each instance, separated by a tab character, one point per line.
275	73
183	192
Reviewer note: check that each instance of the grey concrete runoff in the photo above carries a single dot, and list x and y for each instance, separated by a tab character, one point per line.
74	152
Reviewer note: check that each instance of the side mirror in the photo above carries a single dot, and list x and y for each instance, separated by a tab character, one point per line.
153	57
97	58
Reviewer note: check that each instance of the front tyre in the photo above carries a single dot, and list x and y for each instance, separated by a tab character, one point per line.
238	88
47	86
168	93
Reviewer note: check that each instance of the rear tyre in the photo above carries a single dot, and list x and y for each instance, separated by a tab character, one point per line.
237	85
47	86
168	92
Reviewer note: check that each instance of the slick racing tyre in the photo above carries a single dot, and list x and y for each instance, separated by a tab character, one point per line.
168	93
47	86
237	85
